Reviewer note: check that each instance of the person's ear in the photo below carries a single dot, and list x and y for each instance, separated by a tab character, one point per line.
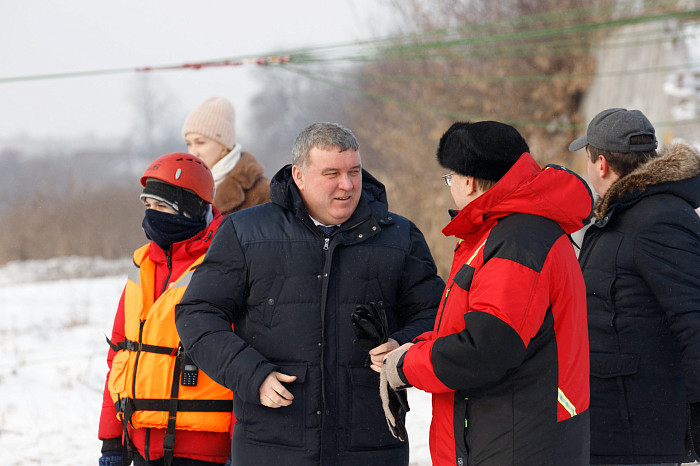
298	177
470	184
603	167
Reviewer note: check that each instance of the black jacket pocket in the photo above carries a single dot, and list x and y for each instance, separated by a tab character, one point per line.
607	365
285	426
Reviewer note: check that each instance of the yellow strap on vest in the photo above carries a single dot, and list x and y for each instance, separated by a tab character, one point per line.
566	404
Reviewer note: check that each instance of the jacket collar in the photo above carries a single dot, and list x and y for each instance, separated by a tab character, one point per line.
373	202
553	192
231	192
666	172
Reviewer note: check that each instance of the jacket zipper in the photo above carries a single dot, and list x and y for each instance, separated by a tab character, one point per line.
138	355
324	297
447	292
169	261
442	311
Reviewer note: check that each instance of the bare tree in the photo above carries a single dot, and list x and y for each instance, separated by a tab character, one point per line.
64	218
286	104
468	60
156	119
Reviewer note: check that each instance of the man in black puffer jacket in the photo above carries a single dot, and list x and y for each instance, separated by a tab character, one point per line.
288	275
641	265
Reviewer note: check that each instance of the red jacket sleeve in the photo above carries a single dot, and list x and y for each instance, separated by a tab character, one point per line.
110	427
501	312
418	368
424	336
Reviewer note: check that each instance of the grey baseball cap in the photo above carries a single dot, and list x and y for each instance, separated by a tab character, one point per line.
612	129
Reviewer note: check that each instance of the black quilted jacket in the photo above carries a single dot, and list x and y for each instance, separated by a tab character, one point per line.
289	294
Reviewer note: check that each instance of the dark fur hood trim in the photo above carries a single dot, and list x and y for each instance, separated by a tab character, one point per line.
674	163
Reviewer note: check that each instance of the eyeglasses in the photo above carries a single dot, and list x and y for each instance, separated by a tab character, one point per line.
447	179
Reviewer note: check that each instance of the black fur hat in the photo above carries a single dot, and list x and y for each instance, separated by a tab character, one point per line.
484	150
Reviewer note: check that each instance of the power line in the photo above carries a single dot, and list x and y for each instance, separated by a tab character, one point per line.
550	33
261	60
513	78
551	126
471	41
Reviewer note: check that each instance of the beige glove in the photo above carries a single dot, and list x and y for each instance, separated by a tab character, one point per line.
393	394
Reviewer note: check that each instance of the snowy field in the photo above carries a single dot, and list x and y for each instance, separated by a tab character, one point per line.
52	369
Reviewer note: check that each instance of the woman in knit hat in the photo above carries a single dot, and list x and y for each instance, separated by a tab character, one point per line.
158	407
210	134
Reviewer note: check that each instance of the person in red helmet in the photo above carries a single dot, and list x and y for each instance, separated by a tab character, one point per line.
158	407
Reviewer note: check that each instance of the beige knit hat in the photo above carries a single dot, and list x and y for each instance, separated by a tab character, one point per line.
215	119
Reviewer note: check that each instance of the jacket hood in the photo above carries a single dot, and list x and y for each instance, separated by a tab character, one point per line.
553	192
675	171
284	192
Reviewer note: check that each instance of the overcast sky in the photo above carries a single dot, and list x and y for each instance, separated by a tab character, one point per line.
45	36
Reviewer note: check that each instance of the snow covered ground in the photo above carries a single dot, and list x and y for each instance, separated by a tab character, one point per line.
52	362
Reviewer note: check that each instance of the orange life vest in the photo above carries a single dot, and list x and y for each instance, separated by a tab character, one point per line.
145	380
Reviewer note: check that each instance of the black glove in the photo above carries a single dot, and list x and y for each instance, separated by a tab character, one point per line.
695	428
370	326
392	391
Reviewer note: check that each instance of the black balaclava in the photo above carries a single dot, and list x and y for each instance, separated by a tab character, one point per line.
164	228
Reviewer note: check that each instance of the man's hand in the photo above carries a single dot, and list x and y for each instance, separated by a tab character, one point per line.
272	393
382	351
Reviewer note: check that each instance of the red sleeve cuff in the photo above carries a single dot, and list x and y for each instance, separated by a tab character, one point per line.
417	368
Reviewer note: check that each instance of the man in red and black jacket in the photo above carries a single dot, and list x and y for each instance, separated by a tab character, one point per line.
507	361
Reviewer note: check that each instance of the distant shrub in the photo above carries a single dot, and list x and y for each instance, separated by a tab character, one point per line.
82	221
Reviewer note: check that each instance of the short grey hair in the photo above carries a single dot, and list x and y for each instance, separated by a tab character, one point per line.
322	136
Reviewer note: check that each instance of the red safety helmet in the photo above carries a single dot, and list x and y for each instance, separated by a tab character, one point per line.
185	171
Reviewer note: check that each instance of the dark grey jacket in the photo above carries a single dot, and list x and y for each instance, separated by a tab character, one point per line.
641	265
289	293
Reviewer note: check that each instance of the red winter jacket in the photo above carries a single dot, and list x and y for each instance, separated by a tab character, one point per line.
507	361
203	446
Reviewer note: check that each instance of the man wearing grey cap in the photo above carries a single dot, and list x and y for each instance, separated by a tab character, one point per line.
641	264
